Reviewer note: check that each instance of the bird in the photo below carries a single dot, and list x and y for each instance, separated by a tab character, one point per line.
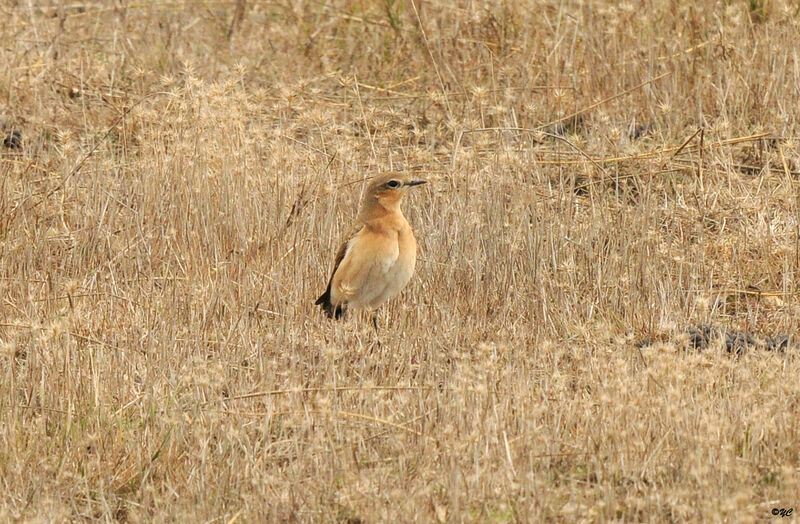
377	258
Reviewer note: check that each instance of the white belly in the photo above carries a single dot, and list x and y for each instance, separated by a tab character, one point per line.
395	279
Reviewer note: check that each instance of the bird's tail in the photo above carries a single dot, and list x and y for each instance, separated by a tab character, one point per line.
335	312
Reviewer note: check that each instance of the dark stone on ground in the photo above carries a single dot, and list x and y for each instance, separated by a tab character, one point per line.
778	343
700	336
640	131
737	342
13	139
566	127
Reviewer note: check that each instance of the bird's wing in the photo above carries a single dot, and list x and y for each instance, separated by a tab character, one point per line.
340	256
367	257
325	298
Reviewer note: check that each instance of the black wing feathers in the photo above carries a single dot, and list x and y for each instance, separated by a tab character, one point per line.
324	300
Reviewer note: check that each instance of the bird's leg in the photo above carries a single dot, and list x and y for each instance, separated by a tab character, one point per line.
375	325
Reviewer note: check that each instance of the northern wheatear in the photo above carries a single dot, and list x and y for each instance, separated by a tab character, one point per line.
377	258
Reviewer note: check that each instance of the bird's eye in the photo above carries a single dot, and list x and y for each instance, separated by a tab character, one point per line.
394	184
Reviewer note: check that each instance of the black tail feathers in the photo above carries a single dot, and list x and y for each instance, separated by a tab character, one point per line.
331	311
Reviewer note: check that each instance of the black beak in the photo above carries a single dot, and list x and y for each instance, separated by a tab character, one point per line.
416	182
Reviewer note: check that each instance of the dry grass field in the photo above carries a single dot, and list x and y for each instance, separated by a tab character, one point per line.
176	175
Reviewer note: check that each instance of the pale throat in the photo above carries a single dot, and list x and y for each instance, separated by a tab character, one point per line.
385	214
390	203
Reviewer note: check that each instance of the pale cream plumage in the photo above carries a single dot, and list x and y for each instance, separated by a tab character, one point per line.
378	257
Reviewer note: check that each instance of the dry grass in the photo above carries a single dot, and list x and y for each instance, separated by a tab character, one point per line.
187	170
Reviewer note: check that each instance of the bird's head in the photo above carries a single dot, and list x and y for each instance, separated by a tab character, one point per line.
388	189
